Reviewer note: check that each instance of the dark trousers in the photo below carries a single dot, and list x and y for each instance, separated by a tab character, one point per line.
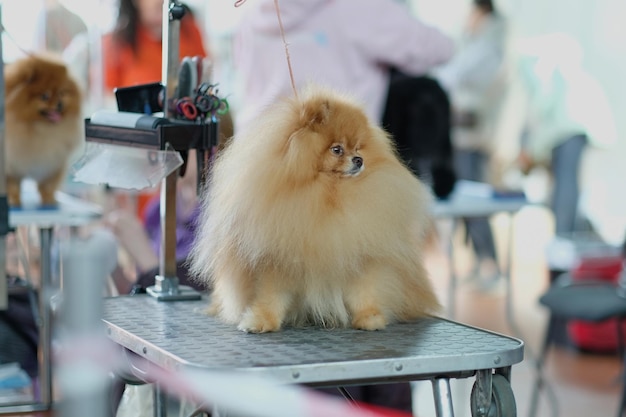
471	165
565	167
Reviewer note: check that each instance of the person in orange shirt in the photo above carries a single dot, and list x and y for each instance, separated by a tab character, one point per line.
132	52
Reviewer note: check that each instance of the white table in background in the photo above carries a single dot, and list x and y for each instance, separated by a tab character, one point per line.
470	199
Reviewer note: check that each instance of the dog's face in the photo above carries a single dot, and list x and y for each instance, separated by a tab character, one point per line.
40	89
342	134
333	138
343	161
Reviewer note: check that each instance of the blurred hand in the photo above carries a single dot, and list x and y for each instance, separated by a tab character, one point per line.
133	238
525	162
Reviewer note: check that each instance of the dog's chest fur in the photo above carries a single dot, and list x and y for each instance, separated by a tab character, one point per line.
42	149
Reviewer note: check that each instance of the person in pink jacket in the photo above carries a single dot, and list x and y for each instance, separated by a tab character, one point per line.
345	45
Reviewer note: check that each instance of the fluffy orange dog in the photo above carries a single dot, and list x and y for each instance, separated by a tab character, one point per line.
44	125
310	217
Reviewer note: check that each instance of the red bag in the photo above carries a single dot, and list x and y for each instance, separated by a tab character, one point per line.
596	337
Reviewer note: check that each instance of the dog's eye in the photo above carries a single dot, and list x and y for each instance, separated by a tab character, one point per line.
45	96
337	150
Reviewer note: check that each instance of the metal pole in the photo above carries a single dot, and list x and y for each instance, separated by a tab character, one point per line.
82	380
171	41
4	207
443	397
167	265
160	402
45	314
452	286
166	286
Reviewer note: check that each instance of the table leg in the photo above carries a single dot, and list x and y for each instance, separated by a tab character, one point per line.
443	397
4	288
160	402
452	286
508	304
507	276
45	327
483	390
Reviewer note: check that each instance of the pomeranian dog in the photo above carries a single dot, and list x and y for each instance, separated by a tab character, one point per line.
309	217
44	125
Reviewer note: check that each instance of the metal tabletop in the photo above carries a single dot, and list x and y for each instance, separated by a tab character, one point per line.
71	211
476	199
179	334
477	207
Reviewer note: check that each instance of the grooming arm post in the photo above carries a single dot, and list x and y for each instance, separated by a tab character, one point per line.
171	41
166	286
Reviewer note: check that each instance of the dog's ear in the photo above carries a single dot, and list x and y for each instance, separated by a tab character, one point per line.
18	73
315	112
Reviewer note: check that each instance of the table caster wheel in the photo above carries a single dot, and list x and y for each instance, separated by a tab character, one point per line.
502	399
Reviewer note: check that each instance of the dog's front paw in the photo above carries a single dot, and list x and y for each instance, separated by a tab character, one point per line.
255	322
213	309
370	319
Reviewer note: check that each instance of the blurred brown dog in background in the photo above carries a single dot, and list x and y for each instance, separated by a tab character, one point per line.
44	125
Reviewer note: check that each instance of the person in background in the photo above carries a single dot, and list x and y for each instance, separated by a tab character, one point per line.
64	33
132	52
339	44
61	26
567	110
344	45
473	79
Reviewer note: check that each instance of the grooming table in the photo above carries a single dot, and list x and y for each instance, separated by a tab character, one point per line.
71	212
175	335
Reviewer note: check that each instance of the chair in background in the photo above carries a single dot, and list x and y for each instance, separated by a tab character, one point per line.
588	300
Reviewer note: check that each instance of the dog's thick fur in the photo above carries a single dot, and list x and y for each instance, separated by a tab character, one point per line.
44	125
310	217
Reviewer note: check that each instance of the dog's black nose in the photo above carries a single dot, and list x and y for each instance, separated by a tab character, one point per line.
357	161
